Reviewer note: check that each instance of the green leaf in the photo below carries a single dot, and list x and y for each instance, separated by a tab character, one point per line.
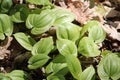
19	13
39	2
37	61
55	67
109	67
56	77
66	47
5	6
88	48
74	66
25	40
87	74
40	23
6	26
44	46
63	16
96	32
93	30
4	77
68	31
17	75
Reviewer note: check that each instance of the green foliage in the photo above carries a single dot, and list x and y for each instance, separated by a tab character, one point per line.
74	66
57	53
39	2
109	67
66	47
25	40
19	13
63	16
37	61
40	23
88	74
15	75
88	48
5	6
41	48
6	26
68	31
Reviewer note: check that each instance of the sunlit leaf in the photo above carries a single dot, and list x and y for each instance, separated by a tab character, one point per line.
37	61
88	48
96	32
44	46
56	77
63	16
17	75
66	47
88	73
68	31
109	67
74	66
40	23
39	2
25	40
6	26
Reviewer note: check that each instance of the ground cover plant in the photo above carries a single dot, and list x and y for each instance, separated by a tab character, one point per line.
45	40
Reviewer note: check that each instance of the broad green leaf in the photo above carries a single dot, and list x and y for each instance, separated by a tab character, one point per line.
6	26
74	66
66	47
44	46
17	75
25	40
40	23
88	48
19	13
59	59
63	16
56	77
4	77
39	2
37	61
68	31
87	74
55	67
96	32
93	30
109	67
5	6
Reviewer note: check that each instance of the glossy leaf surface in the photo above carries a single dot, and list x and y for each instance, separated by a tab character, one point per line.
74	66
96	32
109	67
37	61
44	46
17	75
88	48
88	73
63	16
40	23
66	47
6	26
25	40
68	31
